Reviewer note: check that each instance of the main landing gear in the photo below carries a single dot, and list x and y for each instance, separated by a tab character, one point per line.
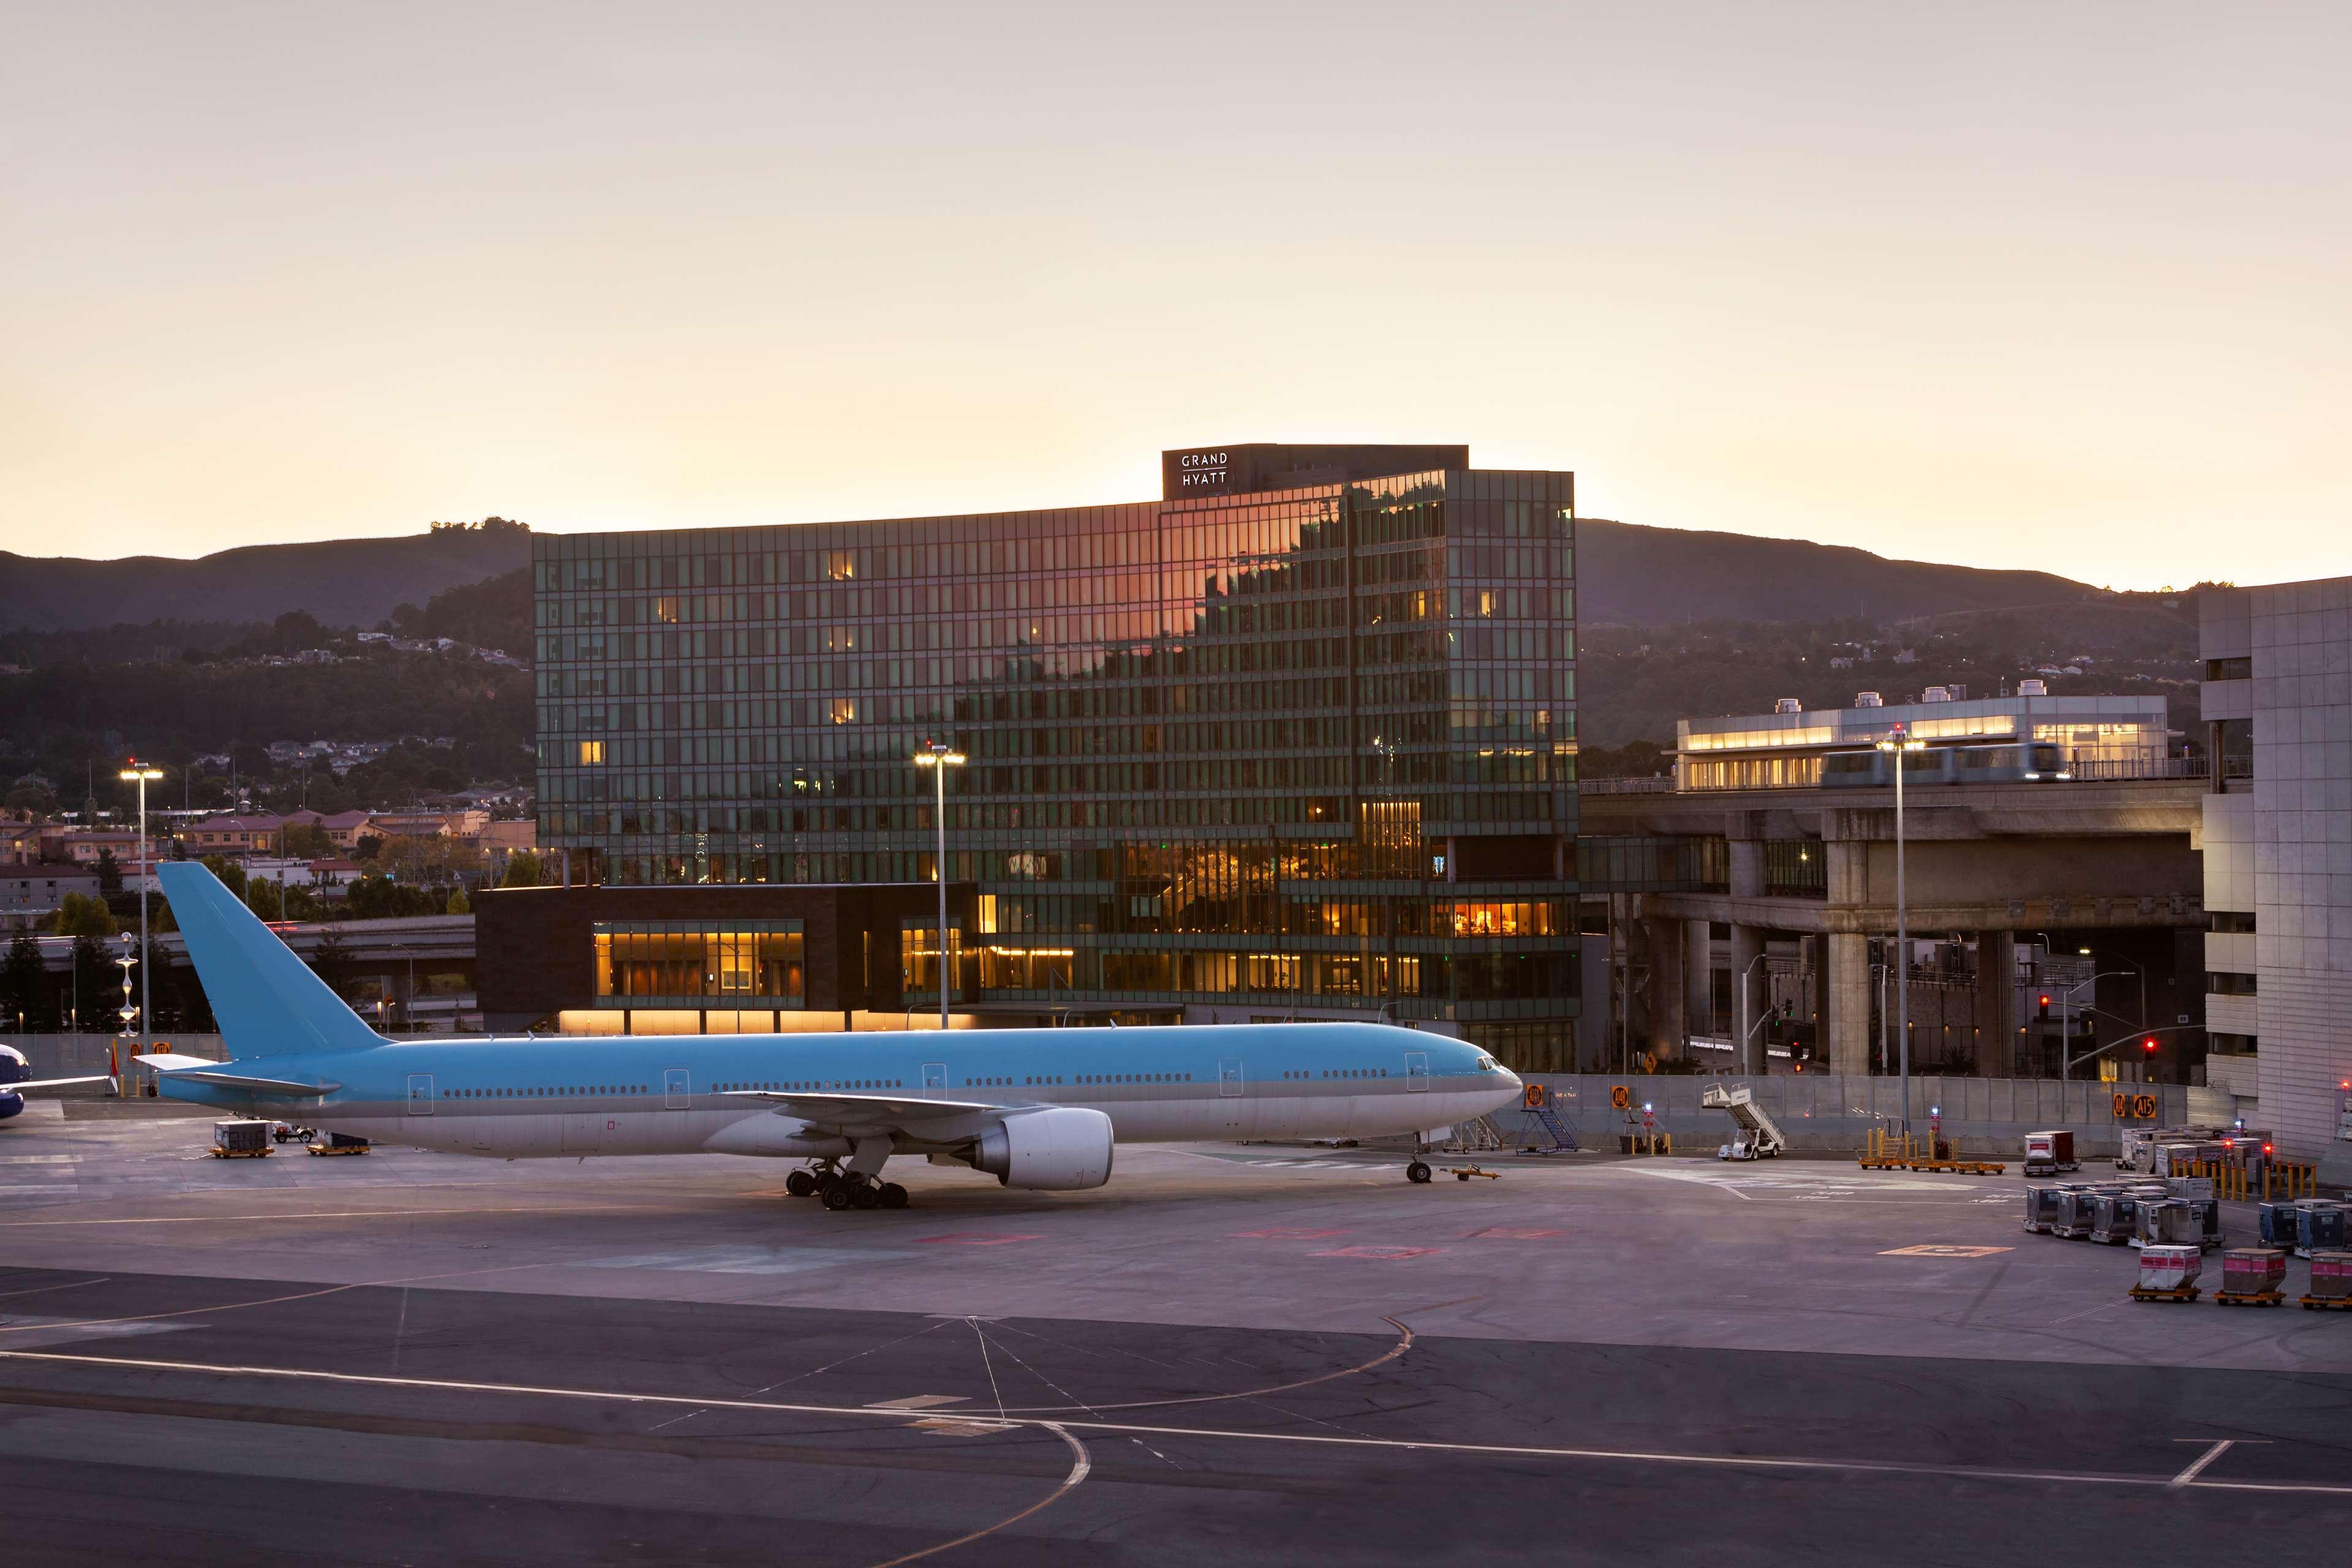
840	1190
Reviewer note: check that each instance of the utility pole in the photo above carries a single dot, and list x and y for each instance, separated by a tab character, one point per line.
939	756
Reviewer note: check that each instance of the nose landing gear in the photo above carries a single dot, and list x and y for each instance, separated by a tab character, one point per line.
1417	1173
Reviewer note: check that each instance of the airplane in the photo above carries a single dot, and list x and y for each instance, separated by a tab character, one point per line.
1036	1109
16	1076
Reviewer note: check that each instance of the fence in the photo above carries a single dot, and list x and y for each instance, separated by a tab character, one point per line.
1826	1112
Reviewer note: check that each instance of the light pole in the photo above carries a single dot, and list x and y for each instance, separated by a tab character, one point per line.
139	774
939	756
1739	1057
1898	742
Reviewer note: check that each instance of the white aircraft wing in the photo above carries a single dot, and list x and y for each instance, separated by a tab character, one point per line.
50	1083
826	1110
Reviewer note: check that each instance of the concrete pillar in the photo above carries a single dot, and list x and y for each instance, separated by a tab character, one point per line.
1996	1051
1664	988
1848	872
1845	1036
1746	868
1747	947
1698	976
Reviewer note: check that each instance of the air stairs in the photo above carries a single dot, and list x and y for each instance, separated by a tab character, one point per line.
1479	1135
1539	1121
1755	1135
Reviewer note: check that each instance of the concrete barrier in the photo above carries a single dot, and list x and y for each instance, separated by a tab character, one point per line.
1824	1112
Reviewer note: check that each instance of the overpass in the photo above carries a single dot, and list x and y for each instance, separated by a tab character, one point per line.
2109	863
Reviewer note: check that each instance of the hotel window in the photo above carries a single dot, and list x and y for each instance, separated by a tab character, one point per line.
666	609
677	961
591	753
841	566
844	710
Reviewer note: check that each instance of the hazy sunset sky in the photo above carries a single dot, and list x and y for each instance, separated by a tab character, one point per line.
2063	286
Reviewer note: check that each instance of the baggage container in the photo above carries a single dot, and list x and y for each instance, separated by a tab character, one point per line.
2050	1151
2113	1219
2044	1207
338	1143
2169	1267
2318	1227
2331	1276
236	1140
2080	1214
2171	1223
2276	1223
2252	1270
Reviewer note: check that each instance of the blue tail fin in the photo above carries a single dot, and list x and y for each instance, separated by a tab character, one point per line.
267	1001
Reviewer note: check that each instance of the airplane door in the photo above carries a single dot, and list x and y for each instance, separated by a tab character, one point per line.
935	1080
1416	1072
1228	1076
420	1094
677	1091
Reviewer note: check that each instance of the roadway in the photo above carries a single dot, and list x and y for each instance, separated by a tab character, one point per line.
1257	1354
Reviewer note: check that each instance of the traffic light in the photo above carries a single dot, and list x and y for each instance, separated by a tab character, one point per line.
2148	1045
2045	1006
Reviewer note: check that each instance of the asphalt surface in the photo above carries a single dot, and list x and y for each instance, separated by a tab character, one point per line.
1243	1355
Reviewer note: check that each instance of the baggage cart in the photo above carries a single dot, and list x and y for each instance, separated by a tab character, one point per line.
2043	1206
336	1143
2331	1283
2168	1274
2318	1227
2114	1218
240	1140
2251	1276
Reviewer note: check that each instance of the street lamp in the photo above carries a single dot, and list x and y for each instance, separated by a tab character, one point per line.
1898	740
140	776
939	756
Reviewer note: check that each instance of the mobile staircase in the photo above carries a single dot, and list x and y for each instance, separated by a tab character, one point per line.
1754	1135
1541	1132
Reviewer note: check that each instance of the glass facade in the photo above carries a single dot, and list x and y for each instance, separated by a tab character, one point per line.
1311	748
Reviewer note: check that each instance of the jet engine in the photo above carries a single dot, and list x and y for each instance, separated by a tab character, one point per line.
1061	1150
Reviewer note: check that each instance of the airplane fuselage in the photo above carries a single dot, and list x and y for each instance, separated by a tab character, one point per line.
513	1099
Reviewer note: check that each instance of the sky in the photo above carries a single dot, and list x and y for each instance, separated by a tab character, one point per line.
2005	285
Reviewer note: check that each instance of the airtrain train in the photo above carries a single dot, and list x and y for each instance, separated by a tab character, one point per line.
2019	762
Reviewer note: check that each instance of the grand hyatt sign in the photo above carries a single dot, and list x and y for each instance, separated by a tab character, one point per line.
1203	470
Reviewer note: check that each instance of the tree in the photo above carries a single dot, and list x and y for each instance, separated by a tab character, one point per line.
81	915
308	841
22	1000
231	874
97	990
109	870
332	962
523	870
458	904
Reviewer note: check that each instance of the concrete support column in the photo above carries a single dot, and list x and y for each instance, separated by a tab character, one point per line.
1845	1038
1747	947
1996	1051
1848	872
1746	868
1698	976
1664	988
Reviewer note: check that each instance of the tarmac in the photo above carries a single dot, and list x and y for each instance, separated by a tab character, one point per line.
1250	1353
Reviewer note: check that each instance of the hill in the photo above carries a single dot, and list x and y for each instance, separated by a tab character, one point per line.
342	581
1630	574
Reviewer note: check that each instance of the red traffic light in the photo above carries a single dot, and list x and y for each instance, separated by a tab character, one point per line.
2148	1046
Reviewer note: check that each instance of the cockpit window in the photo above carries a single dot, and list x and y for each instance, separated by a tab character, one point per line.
1485	1064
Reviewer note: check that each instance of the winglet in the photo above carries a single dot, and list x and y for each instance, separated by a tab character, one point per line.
266	1000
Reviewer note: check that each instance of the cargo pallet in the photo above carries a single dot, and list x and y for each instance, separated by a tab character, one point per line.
2249	1298
2327	1304
221	1153
2165	1294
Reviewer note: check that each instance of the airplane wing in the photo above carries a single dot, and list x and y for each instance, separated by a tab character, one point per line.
50	1083
867	1110
273	1088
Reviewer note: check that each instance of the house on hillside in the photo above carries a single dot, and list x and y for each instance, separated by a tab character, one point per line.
237	836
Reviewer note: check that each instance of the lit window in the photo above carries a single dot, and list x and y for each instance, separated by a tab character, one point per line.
844	710
591	753
666	609
841	566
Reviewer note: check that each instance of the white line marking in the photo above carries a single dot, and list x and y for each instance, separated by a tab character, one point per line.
2197	1466
1064	1427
